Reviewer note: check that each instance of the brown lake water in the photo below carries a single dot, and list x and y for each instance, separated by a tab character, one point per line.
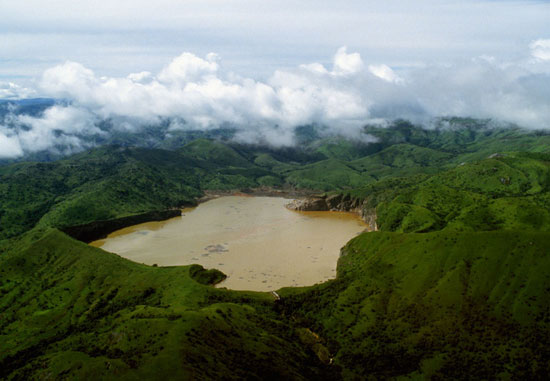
258	243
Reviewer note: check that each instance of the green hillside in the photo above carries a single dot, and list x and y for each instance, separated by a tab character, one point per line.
444	304
113	182
454	285
91	314
510	191
101	184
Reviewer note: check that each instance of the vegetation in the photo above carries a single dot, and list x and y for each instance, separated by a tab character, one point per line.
453	285
460	305
73	311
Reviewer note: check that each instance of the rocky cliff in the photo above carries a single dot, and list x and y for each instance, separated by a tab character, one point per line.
337	202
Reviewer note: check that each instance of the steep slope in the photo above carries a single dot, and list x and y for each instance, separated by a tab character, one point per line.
443	304
471	139
113	182
72	311
101	184
402	160
509	191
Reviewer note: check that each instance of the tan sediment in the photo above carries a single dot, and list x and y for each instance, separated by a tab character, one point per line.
256	241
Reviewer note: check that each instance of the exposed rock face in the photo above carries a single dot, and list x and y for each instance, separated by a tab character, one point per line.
369	216
334	202
337	202
309	204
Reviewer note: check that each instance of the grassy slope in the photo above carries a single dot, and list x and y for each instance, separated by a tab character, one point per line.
467	299
508	192
100	184
327	175
446	304
113	182
70	310
470	139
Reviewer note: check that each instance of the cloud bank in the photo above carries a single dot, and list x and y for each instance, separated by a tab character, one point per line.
540	49
10	90
194	92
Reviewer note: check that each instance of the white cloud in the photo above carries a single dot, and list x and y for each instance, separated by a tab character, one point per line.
59	126
385	72
10	90
188	67
118	37
66	119
484	90
9	146
193	92
540	49
197	91
315	67
345	63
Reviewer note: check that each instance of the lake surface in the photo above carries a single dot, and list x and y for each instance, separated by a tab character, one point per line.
258	243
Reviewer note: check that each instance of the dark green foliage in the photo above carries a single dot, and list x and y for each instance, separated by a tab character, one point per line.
470	138
101	184
70	310
206	277
113	182
453	286
510	191
443	304
326	175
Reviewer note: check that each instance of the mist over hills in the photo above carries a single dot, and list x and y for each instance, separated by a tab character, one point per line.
48	142
195	95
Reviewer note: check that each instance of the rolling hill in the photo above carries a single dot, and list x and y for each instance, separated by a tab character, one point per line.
454	284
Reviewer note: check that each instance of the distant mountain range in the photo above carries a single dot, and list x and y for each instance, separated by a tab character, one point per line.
448	134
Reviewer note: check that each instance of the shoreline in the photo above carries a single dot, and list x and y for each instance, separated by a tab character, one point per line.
302	200
255	241
258	192
100	229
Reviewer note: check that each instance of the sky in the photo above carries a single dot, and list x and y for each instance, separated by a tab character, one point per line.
255	37
268	66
